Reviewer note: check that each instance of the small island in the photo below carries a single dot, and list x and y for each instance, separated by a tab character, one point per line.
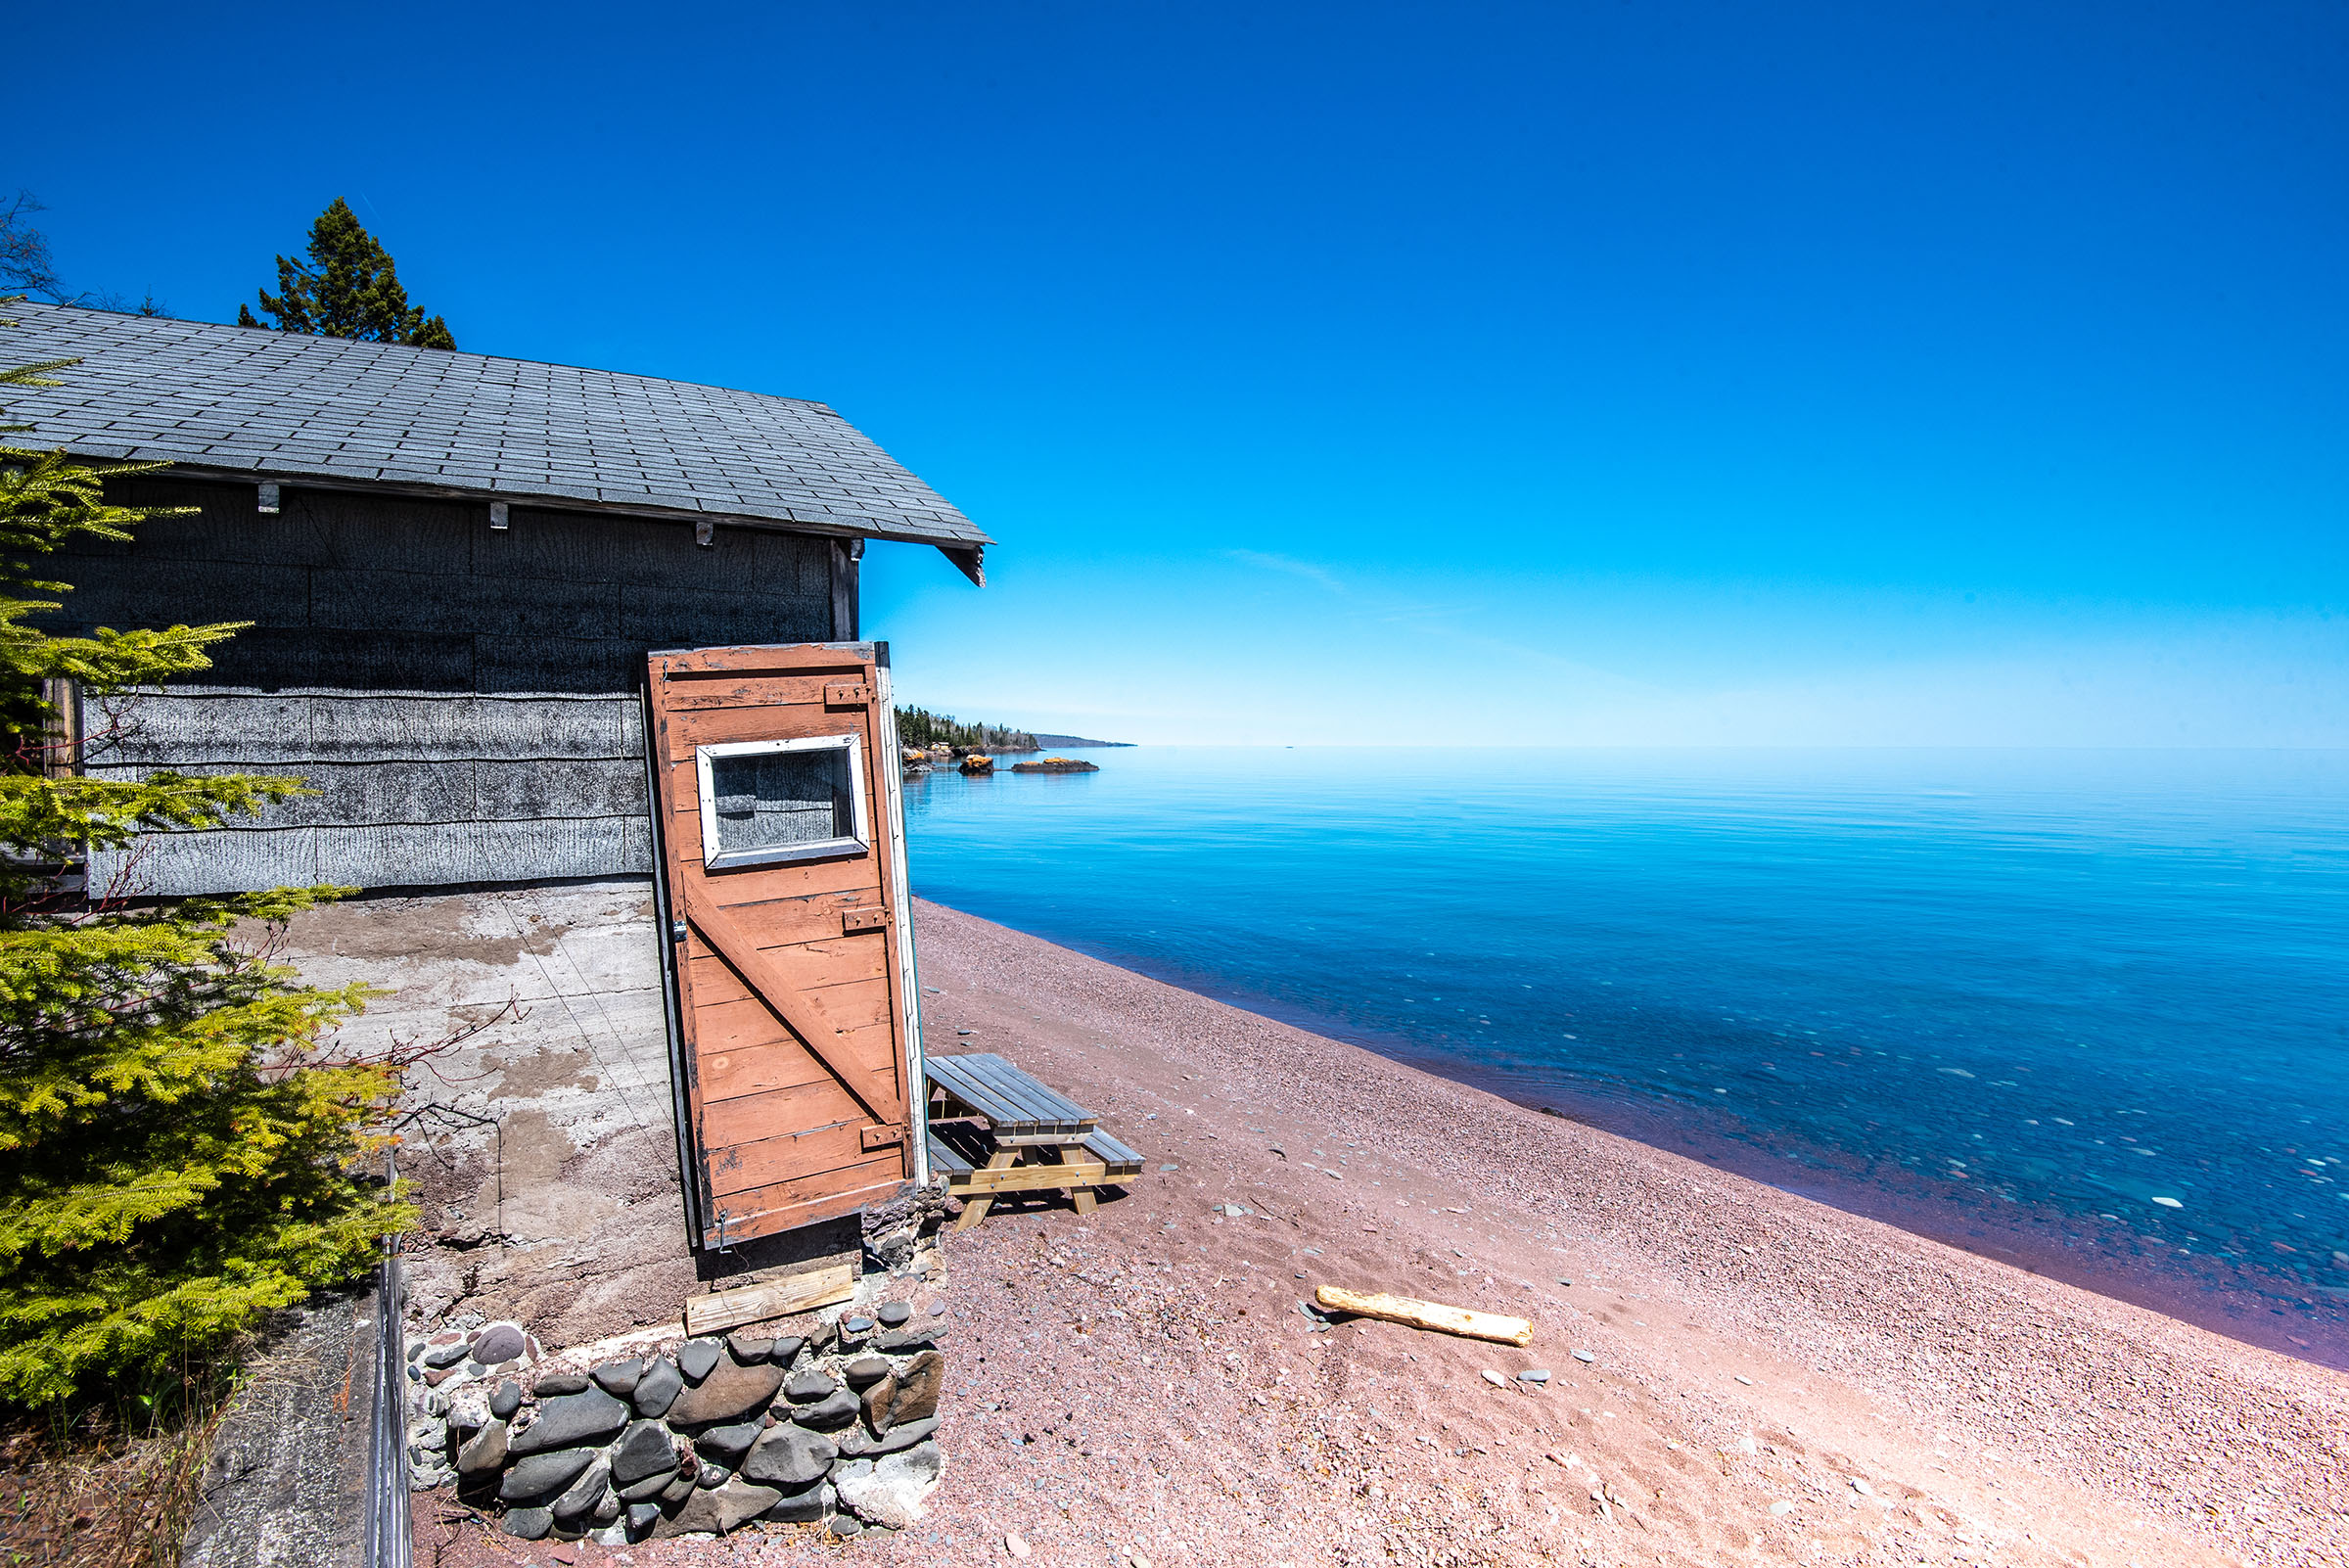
927	739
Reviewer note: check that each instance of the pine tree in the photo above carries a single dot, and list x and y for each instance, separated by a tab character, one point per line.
175	1157
349	288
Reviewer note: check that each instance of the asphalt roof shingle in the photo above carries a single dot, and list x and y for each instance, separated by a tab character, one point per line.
255	401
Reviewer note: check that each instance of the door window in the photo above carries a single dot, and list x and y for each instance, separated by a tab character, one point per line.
765	802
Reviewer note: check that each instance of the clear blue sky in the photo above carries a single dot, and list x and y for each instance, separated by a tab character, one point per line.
1622	372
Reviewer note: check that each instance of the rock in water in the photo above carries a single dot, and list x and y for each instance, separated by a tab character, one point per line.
789	1455
573	1419
891	1491
729	1393
1056	764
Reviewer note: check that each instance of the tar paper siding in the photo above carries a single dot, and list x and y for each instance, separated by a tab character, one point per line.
463	698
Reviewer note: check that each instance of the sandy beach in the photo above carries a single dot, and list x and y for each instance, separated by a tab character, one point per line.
1736	1375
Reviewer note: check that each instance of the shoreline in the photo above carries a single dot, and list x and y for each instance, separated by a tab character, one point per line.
1826	1338
2240	1302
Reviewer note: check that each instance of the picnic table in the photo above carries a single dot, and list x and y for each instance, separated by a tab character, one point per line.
1034	1138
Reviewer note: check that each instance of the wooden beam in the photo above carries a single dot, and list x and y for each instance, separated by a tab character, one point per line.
774	988
1031	1177
778	1298
1426	1315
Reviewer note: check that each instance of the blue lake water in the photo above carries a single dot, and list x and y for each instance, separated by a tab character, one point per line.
2085	1012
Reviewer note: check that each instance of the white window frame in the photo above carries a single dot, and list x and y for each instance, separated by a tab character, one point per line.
858	843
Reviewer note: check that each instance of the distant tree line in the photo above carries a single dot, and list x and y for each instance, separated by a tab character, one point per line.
917	727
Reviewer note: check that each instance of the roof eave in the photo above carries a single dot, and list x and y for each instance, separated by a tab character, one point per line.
955	543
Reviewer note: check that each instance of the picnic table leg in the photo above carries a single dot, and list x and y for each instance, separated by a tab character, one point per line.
1083	1198
974	1209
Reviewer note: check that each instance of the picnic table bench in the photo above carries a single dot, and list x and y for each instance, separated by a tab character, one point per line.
1036	1139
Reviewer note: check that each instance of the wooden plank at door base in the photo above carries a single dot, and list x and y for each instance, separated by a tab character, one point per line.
780	1298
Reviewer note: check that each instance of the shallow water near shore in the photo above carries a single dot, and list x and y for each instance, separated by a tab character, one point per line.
2087	1012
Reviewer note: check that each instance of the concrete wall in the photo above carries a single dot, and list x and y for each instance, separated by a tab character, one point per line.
566	1214
463	698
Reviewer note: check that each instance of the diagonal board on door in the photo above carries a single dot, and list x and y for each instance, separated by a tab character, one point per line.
794	1031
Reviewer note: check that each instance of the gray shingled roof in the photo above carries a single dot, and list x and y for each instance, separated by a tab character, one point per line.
252	401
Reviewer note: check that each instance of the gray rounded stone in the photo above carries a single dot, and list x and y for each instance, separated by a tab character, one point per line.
542	1477
499	1341
528	1524
439	1356
642	1516
807	1506
648	1489
594	1416
696	1357
617	1378
836	1409
807	1386
865	1370
731	1393
845	1525
506	1401
555	1384
581	1495
749	1349
785	1349
656	1390
789	1456
894	1313
726	1445
645	1449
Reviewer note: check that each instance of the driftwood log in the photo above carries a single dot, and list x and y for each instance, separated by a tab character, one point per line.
1425	1314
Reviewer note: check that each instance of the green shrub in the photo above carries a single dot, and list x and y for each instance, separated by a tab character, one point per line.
176	1158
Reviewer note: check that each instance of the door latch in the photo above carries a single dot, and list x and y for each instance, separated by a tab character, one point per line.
853	921
881	1138
676	931
847	694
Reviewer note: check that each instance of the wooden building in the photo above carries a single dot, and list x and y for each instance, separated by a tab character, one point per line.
470	581
454	567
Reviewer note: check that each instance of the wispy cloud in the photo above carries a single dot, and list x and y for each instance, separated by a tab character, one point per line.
1294	567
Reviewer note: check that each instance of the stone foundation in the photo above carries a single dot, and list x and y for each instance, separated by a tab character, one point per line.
833	1424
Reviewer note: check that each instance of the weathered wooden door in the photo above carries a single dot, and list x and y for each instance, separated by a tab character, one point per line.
794	1026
